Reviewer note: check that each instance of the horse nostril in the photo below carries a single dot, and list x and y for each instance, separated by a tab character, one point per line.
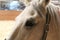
30	22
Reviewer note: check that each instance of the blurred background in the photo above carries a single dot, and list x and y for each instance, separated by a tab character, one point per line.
11	5
18	4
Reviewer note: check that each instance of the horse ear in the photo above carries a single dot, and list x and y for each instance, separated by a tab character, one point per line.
45	2
27	2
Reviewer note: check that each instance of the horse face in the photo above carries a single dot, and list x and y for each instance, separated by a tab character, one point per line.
32	28
31	24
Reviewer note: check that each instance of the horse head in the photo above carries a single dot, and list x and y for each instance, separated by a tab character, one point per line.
31	21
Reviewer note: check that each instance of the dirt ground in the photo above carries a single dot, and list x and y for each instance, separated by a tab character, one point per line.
6	28
7	22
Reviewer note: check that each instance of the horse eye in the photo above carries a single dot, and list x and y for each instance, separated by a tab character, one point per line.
30	23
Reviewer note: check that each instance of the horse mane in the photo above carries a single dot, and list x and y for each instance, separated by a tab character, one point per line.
53	11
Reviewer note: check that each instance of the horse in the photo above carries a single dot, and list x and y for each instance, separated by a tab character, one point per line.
40	20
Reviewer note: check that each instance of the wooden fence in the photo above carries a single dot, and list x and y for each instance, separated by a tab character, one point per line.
8	14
